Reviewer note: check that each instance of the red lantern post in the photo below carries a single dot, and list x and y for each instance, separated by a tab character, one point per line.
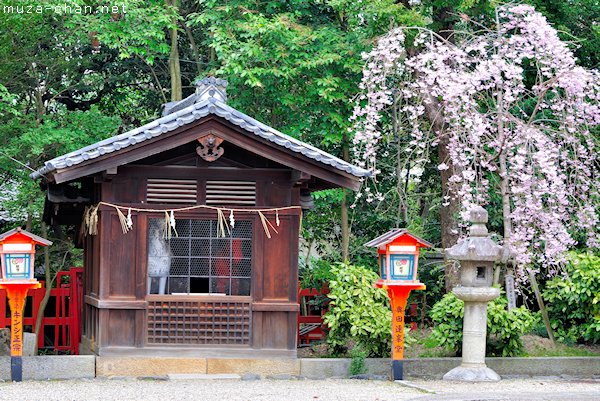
17	252
398	252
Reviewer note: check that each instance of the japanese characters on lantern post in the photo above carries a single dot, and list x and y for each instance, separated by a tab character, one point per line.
17	252
398	252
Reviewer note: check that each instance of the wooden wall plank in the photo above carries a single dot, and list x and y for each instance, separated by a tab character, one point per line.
275	330
121	328
104	262
141	259
122	266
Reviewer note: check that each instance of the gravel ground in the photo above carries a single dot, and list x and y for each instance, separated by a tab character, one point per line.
232	390
516	389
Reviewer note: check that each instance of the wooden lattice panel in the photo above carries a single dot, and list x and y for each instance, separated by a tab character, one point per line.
171	191
197	322
231	193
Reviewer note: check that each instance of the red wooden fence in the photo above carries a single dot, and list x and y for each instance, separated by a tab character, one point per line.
61	324
310	319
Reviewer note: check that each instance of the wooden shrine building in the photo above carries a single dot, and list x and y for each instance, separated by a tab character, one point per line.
190	229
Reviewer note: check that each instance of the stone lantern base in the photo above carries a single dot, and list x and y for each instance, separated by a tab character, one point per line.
473	366
472	374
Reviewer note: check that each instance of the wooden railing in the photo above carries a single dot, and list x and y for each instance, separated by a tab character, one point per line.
61	324
197	320
311	327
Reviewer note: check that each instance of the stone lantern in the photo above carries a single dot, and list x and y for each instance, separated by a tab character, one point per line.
477	255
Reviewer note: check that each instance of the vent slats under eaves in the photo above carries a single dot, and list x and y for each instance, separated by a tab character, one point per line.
231	193
163	190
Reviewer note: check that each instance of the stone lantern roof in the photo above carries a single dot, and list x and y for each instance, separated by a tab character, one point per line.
477	246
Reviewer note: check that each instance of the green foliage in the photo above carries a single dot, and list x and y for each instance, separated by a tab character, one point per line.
504	328
539	329
7	102
447	316
32	144
316	274
431	273
140	31
573	300
357	364
358	311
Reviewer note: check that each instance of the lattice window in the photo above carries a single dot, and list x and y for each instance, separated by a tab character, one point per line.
198	322
198	260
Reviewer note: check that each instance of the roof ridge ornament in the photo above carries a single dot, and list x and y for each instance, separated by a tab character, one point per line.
211	87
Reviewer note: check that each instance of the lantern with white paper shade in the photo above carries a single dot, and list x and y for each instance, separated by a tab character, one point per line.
398	252
17	250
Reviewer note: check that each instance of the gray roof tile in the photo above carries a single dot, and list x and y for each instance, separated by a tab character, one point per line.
184	112
391	235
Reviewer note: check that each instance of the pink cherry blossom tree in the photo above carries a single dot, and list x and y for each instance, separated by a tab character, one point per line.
518	115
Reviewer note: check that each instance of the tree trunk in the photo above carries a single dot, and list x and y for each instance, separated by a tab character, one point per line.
345	229
48	278
540	301
345	224
506	216
448	212
450	207
40	107
444	18
29	222
194	48
506	209
38	95
401	185
174	67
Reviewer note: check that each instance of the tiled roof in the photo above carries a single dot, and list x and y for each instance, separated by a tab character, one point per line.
35	238
391	235
209	99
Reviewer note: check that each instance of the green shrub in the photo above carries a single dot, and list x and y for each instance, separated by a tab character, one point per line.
573	301
357	364
539	329
316	274
358	311
504	329
447	316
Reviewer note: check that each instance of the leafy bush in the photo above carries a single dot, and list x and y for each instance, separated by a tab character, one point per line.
431	273
574	300
316	274
447	316
504	329
358	311
357	364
